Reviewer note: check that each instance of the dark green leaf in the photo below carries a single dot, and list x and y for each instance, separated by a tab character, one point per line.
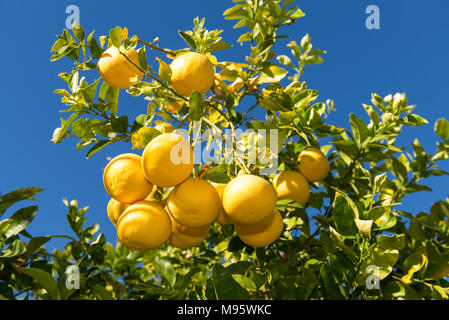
20	220
45	280
18	195
224	285
78	31
330	286
344	217
196	104
143	58
120	124
97	147
188	39
235	244
165	270
95	49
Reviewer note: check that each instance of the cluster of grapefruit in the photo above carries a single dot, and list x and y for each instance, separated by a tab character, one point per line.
184	217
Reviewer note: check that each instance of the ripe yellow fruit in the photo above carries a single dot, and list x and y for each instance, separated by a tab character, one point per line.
116	70
175	106
164	127
262	233
123	179
192	71
184	237
249	199
115	209
292	185
194	203
313	165
167	160
222	217
144	225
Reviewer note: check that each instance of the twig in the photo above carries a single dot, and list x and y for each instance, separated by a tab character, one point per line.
152	46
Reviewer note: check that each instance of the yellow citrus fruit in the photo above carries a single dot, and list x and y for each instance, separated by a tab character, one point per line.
164	127
141	137
313	165
175	106
184	237
192	71
115	209
249	199
123	179
222	217
144	225
167	160
262	233
194	203
116	70
292	185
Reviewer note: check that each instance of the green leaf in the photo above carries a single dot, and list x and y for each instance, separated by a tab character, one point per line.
192	44
306	44
95	49
344	217
45	280
245	282
272	73
383	259
235	244
330	286
78	31
103	91
101	292
396	241
116	36
120	124
97	147
438	263
4	225
224	285
297	14
220	45
383	218
165	270
18	195
359	128
239	267
196	104
414	262
65	126
20	220
374	116
90	91
14	249
442	128
35	243
143	58
112	99
215	174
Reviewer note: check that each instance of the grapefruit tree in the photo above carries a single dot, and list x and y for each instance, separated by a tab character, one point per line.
328	224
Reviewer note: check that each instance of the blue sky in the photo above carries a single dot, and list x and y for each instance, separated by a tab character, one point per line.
408	54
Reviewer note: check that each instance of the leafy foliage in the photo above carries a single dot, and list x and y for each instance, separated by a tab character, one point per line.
352	222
